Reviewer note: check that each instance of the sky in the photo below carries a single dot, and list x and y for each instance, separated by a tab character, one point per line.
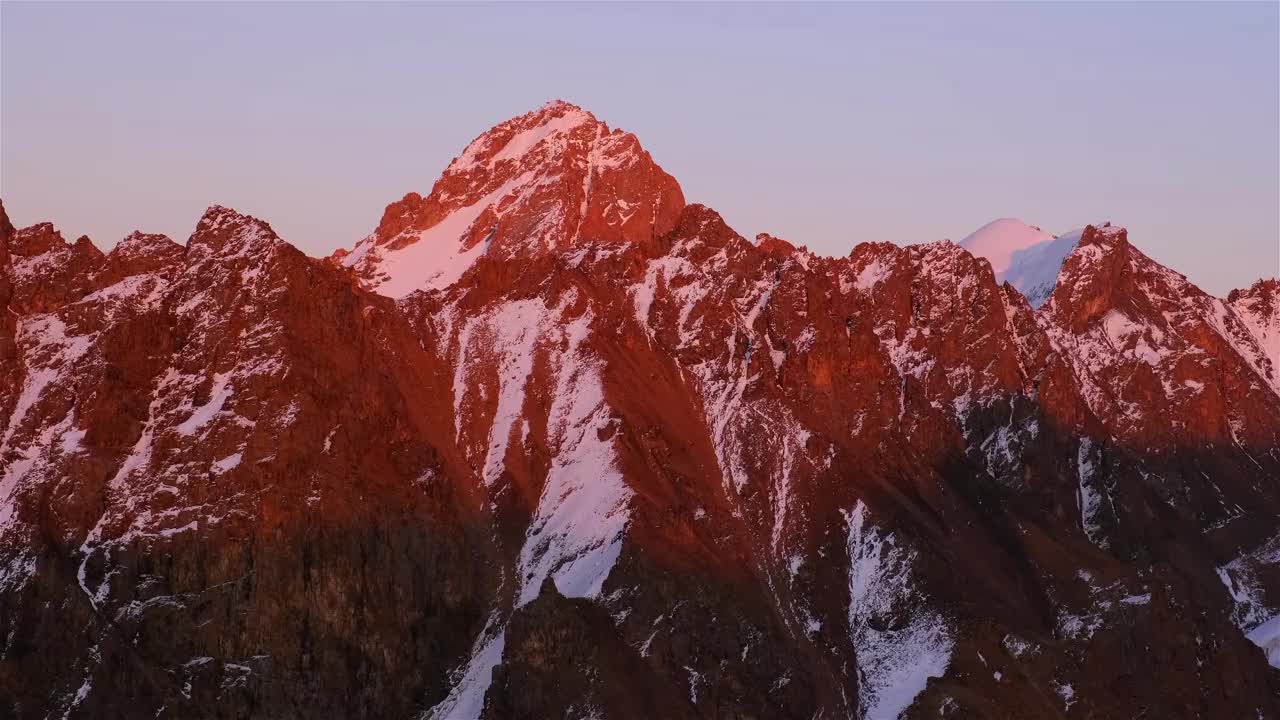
825	124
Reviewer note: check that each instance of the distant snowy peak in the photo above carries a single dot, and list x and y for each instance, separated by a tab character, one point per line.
998	240
1034	270
542	181
1025	256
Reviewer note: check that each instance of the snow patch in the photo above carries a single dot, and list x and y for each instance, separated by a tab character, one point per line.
1267	637
437	258
1088	498
466	700
510	333
895	664
873	274
1241	577
218	396
227	463
577	530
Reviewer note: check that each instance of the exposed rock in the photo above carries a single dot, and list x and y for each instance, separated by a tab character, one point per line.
618	461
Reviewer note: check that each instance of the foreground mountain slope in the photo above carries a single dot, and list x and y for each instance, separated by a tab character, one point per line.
193	494
626	468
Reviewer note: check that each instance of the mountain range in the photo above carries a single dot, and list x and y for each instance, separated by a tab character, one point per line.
553	442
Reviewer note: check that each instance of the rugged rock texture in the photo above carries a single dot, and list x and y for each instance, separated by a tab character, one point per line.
543	181
552	443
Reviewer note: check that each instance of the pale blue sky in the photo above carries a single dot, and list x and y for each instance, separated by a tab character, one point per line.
824	124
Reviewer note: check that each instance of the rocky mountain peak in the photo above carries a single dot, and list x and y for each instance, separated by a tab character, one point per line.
1104	234
227	234
537	133
36	240
1090	280
138	244
399	215
1262	294
46	271
1258	308
139	253
1141	336
541	181
774	245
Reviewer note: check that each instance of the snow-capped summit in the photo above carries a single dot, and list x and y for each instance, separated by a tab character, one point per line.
544	180
999	239
1024	255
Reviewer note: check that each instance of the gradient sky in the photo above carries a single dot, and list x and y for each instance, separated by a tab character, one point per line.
827	125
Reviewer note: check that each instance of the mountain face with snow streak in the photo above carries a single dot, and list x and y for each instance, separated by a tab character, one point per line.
551	442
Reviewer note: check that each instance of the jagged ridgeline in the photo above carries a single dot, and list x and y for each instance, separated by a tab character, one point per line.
552	443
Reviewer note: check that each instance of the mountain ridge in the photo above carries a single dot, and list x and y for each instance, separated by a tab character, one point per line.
651	467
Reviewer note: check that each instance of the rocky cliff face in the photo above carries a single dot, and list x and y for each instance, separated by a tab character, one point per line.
552	443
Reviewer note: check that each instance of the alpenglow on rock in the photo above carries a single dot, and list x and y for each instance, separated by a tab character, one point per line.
551	442
542	181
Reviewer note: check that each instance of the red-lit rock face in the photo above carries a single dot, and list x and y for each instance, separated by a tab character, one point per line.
1144	342
546	180
617	460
